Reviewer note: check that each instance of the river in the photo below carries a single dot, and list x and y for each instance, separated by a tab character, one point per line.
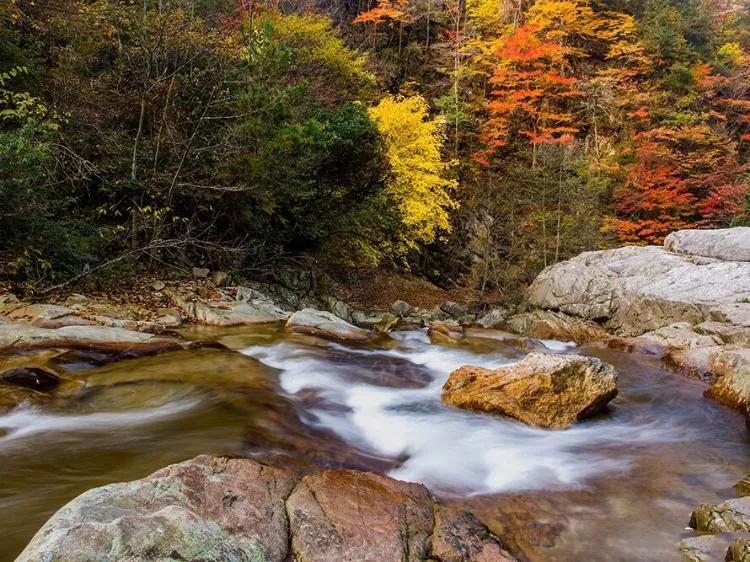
619	486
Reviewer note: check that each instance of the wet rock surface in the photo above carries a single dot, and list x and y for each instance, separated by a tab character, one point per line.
326	325
33	378
551	391
546	324
688	301
707	548
218	508
727	517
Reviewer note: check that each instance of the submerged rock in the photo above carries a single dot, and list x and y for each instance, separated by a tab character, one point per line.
326	325
551	391
34	378
707	548
213	509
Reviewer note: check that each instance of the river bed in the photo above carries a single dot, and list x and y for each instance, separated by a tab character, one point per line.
619	486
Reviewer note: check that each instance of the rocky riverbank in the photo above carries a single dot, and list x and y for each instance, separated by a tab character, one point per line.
215	509
688	302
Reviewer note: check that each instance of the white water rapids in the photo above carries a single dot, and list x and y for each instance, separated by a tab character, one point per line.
446	448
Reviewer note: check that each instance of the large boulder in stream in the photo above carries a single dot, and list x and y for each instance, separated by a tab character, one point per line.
637	289
551	391
688	301
326	325
213	509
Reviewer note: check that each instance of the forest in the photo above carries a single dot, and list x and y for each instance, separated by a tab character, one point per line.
472	142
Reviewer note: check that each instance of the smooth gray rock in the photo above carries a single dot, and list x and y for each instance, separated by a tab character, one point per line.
551	325
23	335
326	325
42	315
493	318
638	289
337	307
453	309
237	313
401	309
728	244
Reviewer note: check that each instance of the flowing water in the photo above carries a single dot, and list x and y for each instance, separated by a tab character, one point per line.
620	486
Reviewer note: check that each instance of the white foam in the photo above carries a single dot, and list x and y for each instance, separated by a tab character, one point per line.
555	345
25	421
444	447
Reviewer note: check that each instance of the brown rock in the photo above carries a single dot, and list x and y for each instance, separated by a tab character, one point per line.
743	486
348	515
738	551
731	367
550	391
213	509
729	516
548	325
445	331
326	325
210	509
33	378
219	278
460	537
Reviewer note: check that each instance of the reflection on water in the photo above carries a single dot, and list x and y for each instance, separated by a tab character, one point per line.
617	487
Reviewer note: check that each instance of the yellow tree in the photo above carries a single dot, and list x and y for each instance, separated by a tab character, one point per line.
420	185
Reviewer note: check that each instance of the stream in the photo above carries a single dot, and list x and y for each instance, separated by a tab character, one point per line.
619	486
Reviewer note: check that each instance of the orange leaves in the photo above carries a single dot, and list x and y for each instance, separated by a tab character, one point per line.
525	47
531	94
640	113
683	176
385	10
